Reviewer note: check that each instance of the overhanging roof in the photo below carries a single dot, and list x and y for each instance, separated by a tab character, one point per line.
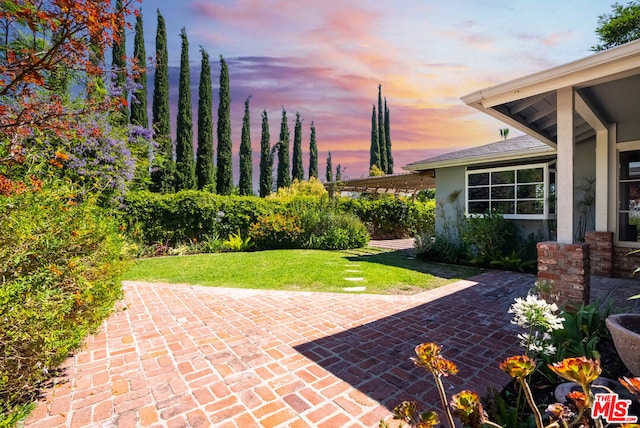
522	147
410	183
607	82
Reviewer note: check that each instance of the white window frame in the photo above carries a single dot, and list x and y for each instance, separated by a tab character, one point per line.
627	146
546	215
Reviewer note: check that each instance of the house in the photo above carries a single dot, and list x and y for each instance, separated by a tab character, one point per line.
587	113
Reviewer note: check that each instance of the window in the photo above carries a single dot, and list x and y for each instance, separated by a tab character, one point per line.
518	192
629	196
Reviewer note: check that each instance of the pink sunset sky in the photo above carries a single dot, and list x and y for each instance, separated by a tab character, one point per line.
325	59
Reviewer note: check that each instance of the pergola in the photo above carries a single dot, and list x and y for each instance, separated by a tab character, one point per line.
409	184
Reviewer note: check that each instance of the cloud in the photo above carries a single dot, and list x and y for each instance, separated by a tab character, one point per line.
557	38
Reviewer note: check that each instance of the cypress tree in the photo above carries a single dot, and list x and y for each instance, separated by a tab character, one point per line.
374	154
338	173
329	176
266	158
284	176
245	184
382	140
205	173
224	181
139	115
119	62
297	168
163	165
387	134
185	166
96	58
313	154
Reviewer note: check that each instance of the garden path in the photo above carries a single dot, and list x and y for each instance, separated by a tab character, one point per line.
191	356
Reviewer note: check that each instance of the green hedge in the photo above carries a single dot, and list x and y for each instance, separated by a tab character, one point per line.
189	215
59	264
183	216
390	217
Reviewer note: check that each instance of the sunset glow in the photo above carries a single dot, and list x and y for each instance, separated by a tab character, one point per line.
325	60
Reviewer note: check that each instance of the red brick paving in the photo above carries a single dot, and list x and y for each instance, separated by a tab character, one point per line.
177	355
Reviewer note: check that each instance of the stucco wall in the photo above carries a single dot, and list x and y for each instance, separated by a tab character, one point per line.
584	169
449	181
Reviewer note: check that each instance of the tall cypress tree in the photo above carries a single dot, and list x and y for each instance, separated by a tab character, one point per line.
382	140
224	181
338	172
313	153
163	169
266	158
185	166
284	175
246	184
374	154
329	175
139	115
119	62
297	168
205	173
387	134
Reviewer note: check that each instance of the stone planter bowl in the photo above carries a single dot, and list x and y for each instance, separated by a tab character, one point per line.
625	331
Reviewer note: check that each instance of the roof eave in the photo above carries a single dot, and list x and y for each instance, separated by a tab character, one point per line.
620	59
512	155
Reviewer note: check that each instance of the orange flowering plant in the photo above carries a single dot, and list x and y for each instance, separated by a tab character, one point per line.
466	405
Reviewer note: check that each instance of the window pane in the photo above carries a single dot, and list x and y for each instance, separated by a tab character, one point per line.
629	195
531	175
479	179
478	193
552	193
530	191
478	207
502	192
530	207
503	177
503	207
628	226
630	165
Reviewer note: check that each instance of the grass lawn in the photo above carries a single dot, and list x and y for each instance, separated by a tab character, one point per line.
379	271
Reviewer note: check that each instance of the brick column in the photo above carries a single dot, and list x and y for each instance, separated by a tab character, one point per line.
601	252
566	266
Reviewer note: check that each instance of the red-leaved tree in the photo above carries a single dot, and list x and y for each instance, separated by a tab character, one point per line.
40	39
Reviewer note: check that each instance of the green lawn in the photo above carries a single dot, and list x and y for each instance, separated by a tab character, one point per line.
382	271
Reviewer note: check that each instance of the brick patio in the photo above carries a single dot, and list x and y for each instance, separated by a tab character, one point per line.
189	356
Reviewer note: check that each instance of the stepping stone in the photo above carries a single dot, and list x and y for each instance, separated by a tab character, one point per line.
352	265
354	289
352	270
354	279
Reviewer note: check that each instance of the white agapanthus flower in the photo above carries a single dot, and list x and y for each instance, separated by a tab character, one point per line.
539	318
535	312
540	345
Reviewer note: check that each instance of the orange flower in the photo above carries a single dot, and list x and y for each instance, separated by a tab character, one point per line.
578	398
55	162
54	269
581	370
62	156
429	358
467	407
519	366
428	420
633	385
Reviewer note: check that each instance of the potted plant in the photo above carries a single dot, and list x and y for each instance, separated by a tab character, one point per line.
625	332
